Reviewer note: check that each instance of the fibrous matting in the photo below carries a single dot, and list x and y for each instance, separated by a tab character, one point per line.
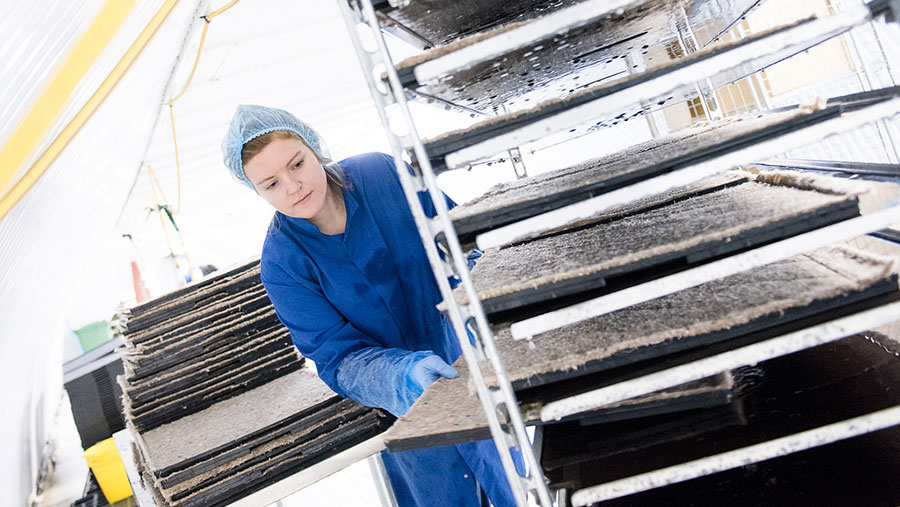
521	198
722	307
692	229
805	286
218	400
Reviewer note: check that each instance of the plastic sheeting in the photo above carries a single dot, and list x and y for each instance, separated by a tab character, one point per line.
34	42
51	241
48	33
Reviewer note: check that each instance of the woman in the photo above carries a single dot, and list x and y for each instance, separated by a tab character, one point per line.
345	269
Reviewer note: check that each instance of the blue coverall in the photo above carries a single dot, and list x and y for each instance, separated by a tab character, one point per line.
372	288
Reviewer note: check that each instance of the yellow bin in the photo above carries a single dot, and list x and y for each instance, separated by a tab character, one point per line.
104	460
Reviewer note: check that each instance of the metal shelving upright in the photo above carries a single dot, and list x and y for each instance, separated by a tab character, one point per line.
710	68
499	402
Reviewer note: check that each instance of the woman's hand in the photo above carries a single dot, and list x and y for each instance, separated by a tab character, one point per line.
429	369
390	378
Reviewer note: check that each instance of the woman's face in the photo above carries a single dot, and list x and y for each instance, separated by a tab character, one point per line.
287	174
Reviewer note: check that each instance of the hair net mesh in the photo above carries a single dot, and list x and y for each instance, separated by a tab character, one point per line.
250	121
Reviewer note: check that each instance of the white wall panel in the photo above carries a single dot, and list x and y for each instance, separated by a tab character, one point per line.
36	37
55	235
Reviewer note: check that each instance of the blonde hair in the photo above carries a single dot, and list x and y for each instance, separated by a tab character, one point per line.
251	148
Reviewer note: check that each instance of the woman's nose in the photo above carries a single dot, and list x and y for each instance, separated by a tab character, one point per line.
294	185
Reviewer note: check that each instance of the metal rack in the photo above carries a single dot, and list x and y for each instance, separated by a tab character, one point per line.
710	68
499	402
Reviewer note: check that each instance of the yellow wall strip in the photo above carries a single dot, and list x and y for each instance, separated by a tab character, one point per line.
25	140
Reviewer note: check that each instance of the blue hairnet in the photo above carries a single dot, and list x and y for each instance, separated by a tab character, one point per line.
251	121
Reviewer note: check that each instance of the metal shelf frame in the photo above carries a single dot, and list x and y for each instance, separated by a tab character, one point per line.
739	457
470	321
537	225
498	401
757	54
861	168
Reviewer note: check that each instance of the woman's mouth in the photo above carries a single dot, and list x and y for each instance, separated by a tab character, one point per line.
303	199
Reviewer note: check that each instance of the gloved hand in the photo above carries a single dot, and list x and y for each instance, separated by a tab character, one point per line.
471	259
427	370
390	378
473	256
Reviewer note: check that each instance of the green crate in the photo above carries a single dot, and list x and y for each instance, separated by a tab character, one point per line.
93	335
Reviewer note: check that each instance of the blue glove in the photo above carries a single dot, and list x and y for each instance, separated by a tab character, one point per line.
473	256
427	370
471	259
391	379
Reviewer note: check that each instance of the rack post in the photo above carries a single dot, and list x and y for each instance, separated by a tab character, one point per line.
498	401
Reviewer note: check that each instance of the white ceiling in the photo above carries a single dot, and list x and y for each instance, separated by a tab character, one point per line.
294	55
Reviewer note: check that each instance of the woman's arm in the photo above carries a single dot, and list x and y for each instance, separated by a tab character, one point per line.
390	378
350	362
317	329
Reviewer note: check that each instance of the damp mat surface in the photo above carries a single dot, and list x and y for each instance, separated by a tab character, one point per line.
440	23
448	413
439	147
563	63
586	258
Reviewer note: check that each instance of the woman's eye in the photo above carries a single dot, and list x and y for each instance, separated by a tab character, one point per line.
298	164
271	185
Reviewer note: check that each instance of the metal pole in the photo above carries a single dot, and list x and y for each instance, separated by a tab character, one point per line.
382	481
689	46
497	401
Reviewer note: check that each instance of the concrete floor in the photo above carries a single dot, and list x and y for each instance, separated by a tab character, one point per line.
66	481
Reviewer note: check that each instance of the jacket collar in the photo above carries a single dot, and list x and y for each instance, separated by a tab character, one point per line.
304	226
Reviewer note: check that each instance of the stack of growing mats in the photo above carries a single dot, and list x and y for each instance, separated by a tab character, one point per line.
219	402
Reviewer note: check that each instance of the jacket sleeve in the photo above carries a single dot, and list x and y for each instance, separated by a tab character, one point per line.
317	329
350	362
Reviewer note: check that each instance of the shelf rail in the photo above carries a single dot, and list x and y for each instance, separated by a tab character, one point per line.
551	220
862	168
739	457
778	45
498	401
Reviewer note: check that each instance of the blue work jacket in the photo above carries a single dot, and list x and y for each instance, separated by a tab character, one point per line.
372	286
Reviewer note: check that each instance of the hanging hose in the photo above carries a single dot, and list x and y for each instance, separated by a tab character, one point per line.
164	208
177	163
206	21
196	61
154	183
220	10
